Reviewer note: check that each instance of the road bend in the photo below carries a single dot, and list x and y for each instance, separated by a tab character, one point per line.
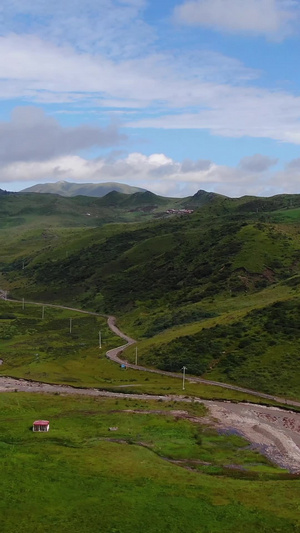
116	353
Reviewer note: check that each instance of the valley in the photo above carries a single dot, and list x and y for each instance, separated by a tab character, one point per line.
216	291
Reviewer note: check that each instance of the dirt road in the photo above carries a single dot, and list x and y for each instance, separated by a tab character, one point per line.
275	432
115	355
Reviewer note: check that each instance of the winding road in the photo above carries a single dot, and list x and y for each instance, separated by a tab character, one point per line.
114	355
274	431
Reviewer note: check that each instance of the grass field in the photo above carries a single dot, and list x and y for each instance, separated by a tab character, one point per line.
172	282
43	349
219	280
82	477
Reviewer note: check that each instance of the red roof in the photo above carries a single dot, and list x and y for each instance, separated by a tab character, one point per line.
41	423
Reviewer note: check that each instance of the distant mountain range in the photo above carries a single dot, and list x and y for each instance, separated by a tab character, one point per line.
65	188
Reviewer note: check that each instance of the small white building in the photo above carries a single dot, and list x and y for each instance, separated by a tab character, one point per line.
41	425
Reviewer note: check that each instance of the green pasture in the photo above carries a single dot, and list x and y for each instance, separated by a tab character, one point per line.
156	472
172	283
43	349
51	344
250	348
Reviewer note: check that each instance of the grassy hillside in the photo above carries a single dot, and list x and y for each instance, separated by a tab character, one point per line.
37	344
187	286
65	188
156	472
51	210
261	350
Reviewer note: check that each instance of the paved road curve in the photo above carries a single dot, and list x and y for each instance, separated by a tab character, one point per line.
115	353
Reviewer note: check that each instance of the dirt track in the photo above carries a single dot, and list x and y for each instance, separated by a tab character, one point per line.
116	353
275	432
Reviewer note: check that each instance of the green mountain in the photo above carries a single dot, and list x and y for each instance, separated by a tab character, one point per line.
49	210
65	188
217	291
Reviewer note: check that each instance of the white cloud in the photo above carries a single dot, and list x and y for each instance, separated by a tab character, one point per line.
115	28
156	172
287	181
41	72
195	87
237	112
259	17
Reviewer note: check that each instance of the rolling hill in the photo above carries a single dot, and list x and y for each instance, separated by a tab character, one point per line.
66	188
217	291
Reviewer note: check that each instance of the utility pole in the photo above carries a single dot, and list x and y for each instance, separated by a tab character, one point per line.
70	325
43	312
23	303
136	355
100	340
183	377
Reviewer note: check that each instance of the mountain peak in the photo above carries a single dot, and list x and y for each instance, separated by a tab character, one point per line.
67	188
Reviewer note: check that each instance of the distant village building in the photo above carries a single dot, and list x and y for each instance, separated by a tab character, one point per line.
41	425
179	211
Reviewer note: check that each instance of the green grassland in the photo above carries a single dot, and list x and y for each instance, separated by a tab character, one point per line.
248	348
82	477
217	291
43	349
185	287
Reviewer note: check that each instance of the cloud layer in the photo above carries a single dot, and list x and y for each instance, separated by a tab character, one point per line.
160	174
35	148
191	91
104	58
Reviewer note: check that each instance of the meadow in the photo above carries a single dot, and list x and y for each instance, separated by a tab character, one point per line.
36	344
155	473
218	291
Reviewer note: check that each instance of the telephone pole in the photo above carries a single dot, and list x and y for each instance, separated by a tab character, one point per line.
70	325
100	340
136	356
43	312
183	377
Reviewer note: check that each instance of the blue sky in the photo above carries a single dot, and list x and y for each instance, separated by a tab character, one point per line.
173	96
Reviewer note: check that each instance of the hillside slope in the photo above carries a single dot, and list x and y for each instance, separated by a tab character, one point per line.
66	188
200	290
